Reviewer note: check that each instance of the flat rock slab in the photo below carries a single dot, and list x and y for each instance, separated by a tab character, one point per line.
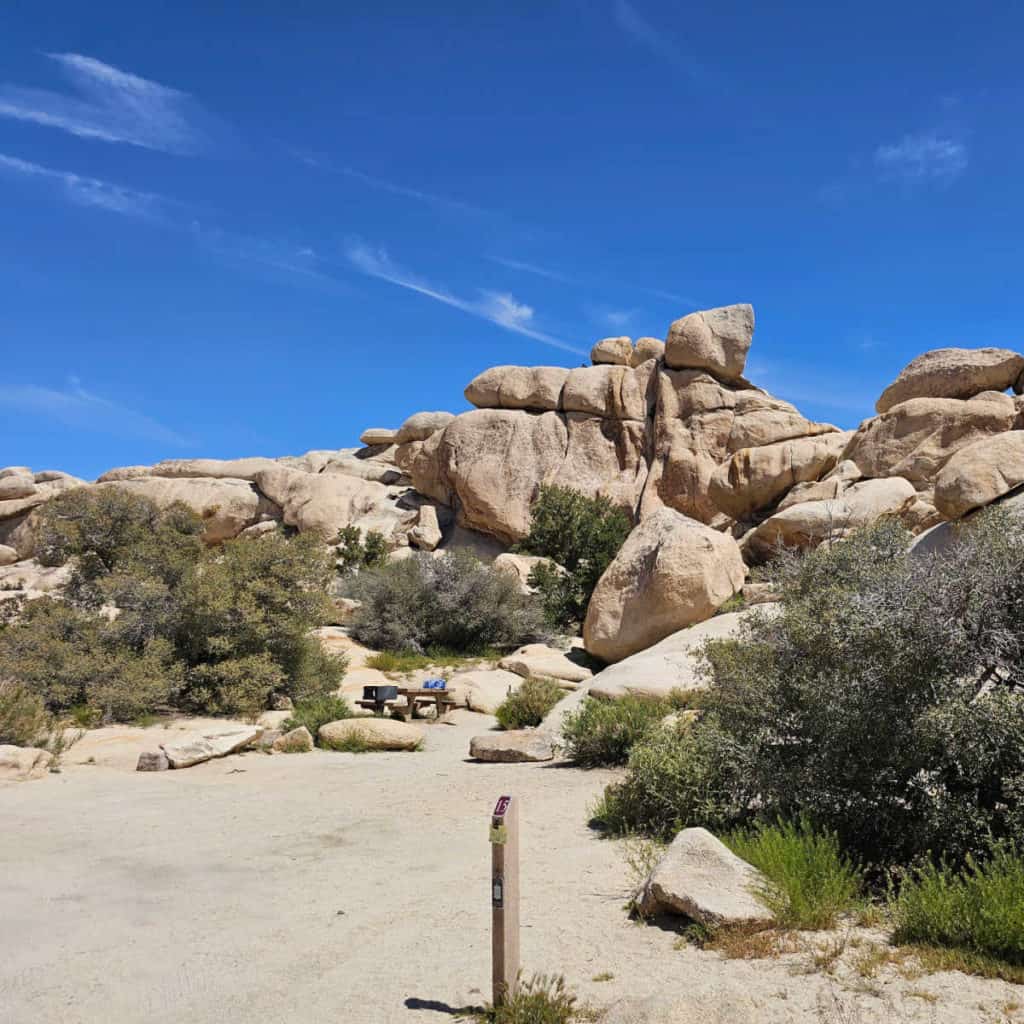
541	660
512	746
701	878
199	747
484	690
20	764
372	733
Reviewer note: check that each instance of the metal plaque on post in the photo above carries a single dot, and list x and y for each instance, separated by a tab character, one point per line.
504	897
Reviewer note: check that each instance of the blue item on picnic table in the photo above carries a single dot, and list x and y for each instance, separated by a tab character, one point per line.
434	684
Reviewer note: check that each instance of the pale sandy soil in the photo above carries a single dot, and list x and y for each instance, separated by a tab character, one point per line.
353	889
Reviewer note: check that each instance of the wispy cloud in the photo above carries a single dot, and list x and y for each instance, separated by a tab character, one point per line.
497	307
91	191
75	407
111	105
919	159
634	24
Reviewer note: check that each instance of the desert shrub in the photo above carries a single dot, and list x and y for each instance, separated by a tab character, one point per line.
24	719
453	602
883	702
978	909
676	777
528	706
580	534
809	880
356	550
602	732
316	711
209	629
542	999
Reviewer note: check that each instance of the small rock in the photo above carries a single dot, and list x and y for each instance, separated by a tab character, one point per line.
512	746
198	747
298	741
281	702
24	763
153	761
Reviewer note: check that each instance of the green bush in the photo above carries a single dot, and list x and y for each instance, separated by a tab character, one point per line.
214	630
603	732
453	602
316	711
528	706
978	909
580	534
676	777
357	551
540	1000
809	881
24	720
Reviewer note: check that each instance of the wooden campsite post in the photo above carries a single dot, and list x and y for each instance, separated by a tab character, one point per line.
504	898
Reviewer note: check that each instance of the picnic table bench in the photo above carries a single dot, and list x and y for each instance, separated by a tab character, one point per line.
443	700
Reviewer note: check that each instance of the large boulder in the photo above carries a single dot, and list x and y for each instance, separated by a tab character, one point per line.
671	572
512	746
755	478
980	473
716	340
954	373
671	664
195	748
421	425
537	388
421	462
323	503
226	506
614	392
809	523
374	436
612	351
647	348
17	485
495	460
547	662
218	469
484	690
915	438
20	764
700	878
371	733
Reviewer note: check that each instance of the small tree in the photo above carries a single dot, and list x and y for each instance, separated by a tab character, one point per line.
580	534
357	550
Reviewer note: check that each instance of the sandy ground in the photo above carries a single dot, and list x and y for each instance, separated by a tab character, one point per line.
354	889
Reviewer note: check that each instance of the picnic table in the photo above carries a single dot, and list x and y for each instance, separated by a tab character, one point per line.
443	700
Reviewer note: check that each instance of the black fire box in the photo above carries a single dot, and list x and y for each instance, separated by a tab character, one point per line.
380	693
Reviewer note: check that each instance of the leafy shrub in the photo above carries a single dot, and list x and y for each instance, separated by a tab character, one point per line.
357	550
211	629
527	706
453	602
809	881
676	777
24	719
979	909
602	732
540	1000
407	661
582	535
316	711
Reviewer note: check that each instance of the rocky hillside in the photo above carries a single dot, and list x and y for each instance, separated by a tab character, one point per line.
714	471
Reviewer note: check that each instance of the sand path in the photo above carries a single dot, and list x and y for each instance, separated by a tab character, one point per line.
354	889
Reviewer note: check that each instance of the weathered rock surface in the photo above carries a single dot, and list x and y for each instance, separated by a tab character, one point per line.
152	761
421	425
671	572
701	878
611	392
954	373
484	690
755	478
547	662
214	469
297	741
537	388
513	745
20	764
372	733
519	566
671	664
613	351
716	340
426	534
647	348
374	436
195	748
979	473
8	556
810	523
915	438
17	486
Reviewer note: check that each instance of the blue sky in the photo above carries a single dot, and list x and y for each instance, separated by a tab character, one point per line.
234	229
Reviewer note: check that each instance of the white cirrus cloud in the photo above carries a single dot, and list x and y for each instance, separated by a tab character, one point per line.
75	407
634	24
112	106
91	191
499	308
922	158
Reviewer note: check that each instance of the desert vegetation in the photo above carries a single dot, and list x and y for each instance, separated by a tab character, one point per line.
527	706
153	618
